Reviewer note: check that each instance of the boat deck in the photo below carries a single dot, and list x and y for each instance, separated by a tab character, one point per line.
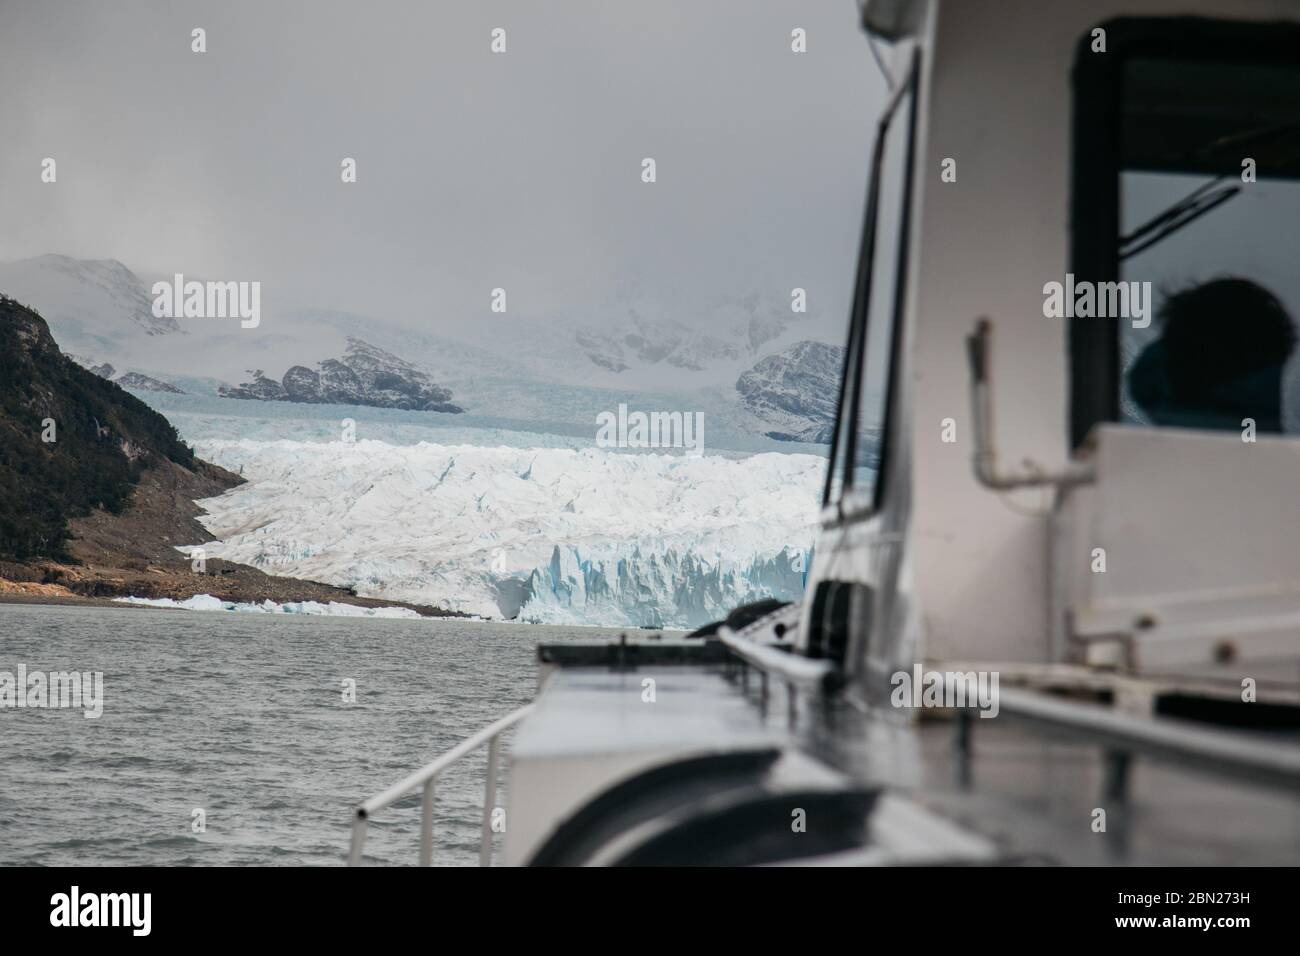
1015	794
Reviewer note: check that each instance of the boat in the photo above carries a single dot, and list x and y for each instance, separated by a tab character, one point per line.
1052	614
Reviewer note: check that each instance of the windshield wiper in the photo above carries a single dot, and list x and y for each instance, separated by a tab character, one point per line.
1188	209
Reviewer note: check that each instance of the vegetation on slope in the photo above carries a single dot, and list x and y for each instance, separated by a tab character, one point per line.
103	439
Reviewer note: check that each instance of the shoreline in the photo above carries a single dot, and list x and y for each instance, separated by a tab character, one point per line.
77	600
70	599
249	587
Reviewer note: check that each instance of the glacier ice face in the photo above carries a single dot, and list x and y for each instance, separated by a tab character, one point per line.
656	588
550	535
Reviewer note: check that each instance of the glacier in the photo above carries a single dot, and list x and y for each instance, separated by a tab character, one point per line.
552	535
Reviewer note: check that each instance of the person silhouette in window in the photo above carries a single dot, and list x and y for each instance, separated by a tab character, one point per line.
1219	359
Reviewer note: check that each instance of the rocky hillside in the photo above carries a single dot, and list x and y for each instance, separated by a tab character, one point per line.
795	391
97	490
70	441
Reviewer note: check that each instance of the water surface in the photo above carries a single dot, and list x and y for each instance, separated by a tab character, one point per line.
242	716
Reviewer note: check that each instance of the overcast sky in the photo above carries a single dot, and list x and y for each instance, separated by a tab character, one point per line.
475	170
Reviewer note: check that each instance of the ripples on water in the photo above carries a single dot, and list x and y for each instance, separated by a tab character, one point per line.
242	715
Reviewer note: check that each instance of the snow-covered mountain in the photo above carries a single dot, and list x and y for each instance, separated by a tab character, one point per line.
90	304
101	312
555	535
744	361
634	341
795	391
635	335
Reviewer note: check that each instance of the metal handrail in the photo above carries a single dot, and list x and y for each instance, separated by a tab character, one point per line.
1180	742
807	671
428	777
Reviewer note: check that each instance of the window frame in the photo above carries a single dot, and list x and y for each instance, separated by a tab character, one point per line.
1093	344
851	504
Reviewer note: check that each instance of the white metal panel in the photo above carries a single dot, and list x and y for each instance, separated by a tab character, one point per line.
1191	514
593	728
1201	534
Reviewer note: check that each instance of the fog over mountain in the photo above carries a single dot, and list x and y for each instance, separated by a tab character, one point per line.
475	171
743	373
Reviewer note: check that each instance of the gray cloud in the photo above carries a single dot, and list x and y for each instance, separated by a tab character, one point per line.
475	170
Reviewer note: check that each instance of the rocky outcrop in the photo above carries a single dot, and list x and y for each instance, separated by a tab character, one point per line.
364	375
301	384
146	383
795	391
260	389
136	380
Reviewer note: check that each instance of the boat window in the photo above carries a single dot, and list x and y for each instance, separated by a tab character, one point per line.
883	298
1187	195
858	447
1207	223
836	466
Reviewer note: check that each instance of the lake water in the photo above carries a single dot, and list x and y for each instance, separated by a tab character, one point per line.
242	716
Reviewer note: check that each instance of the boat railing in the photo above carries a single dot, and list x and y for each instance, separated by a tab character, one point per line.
427	777
1181	743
